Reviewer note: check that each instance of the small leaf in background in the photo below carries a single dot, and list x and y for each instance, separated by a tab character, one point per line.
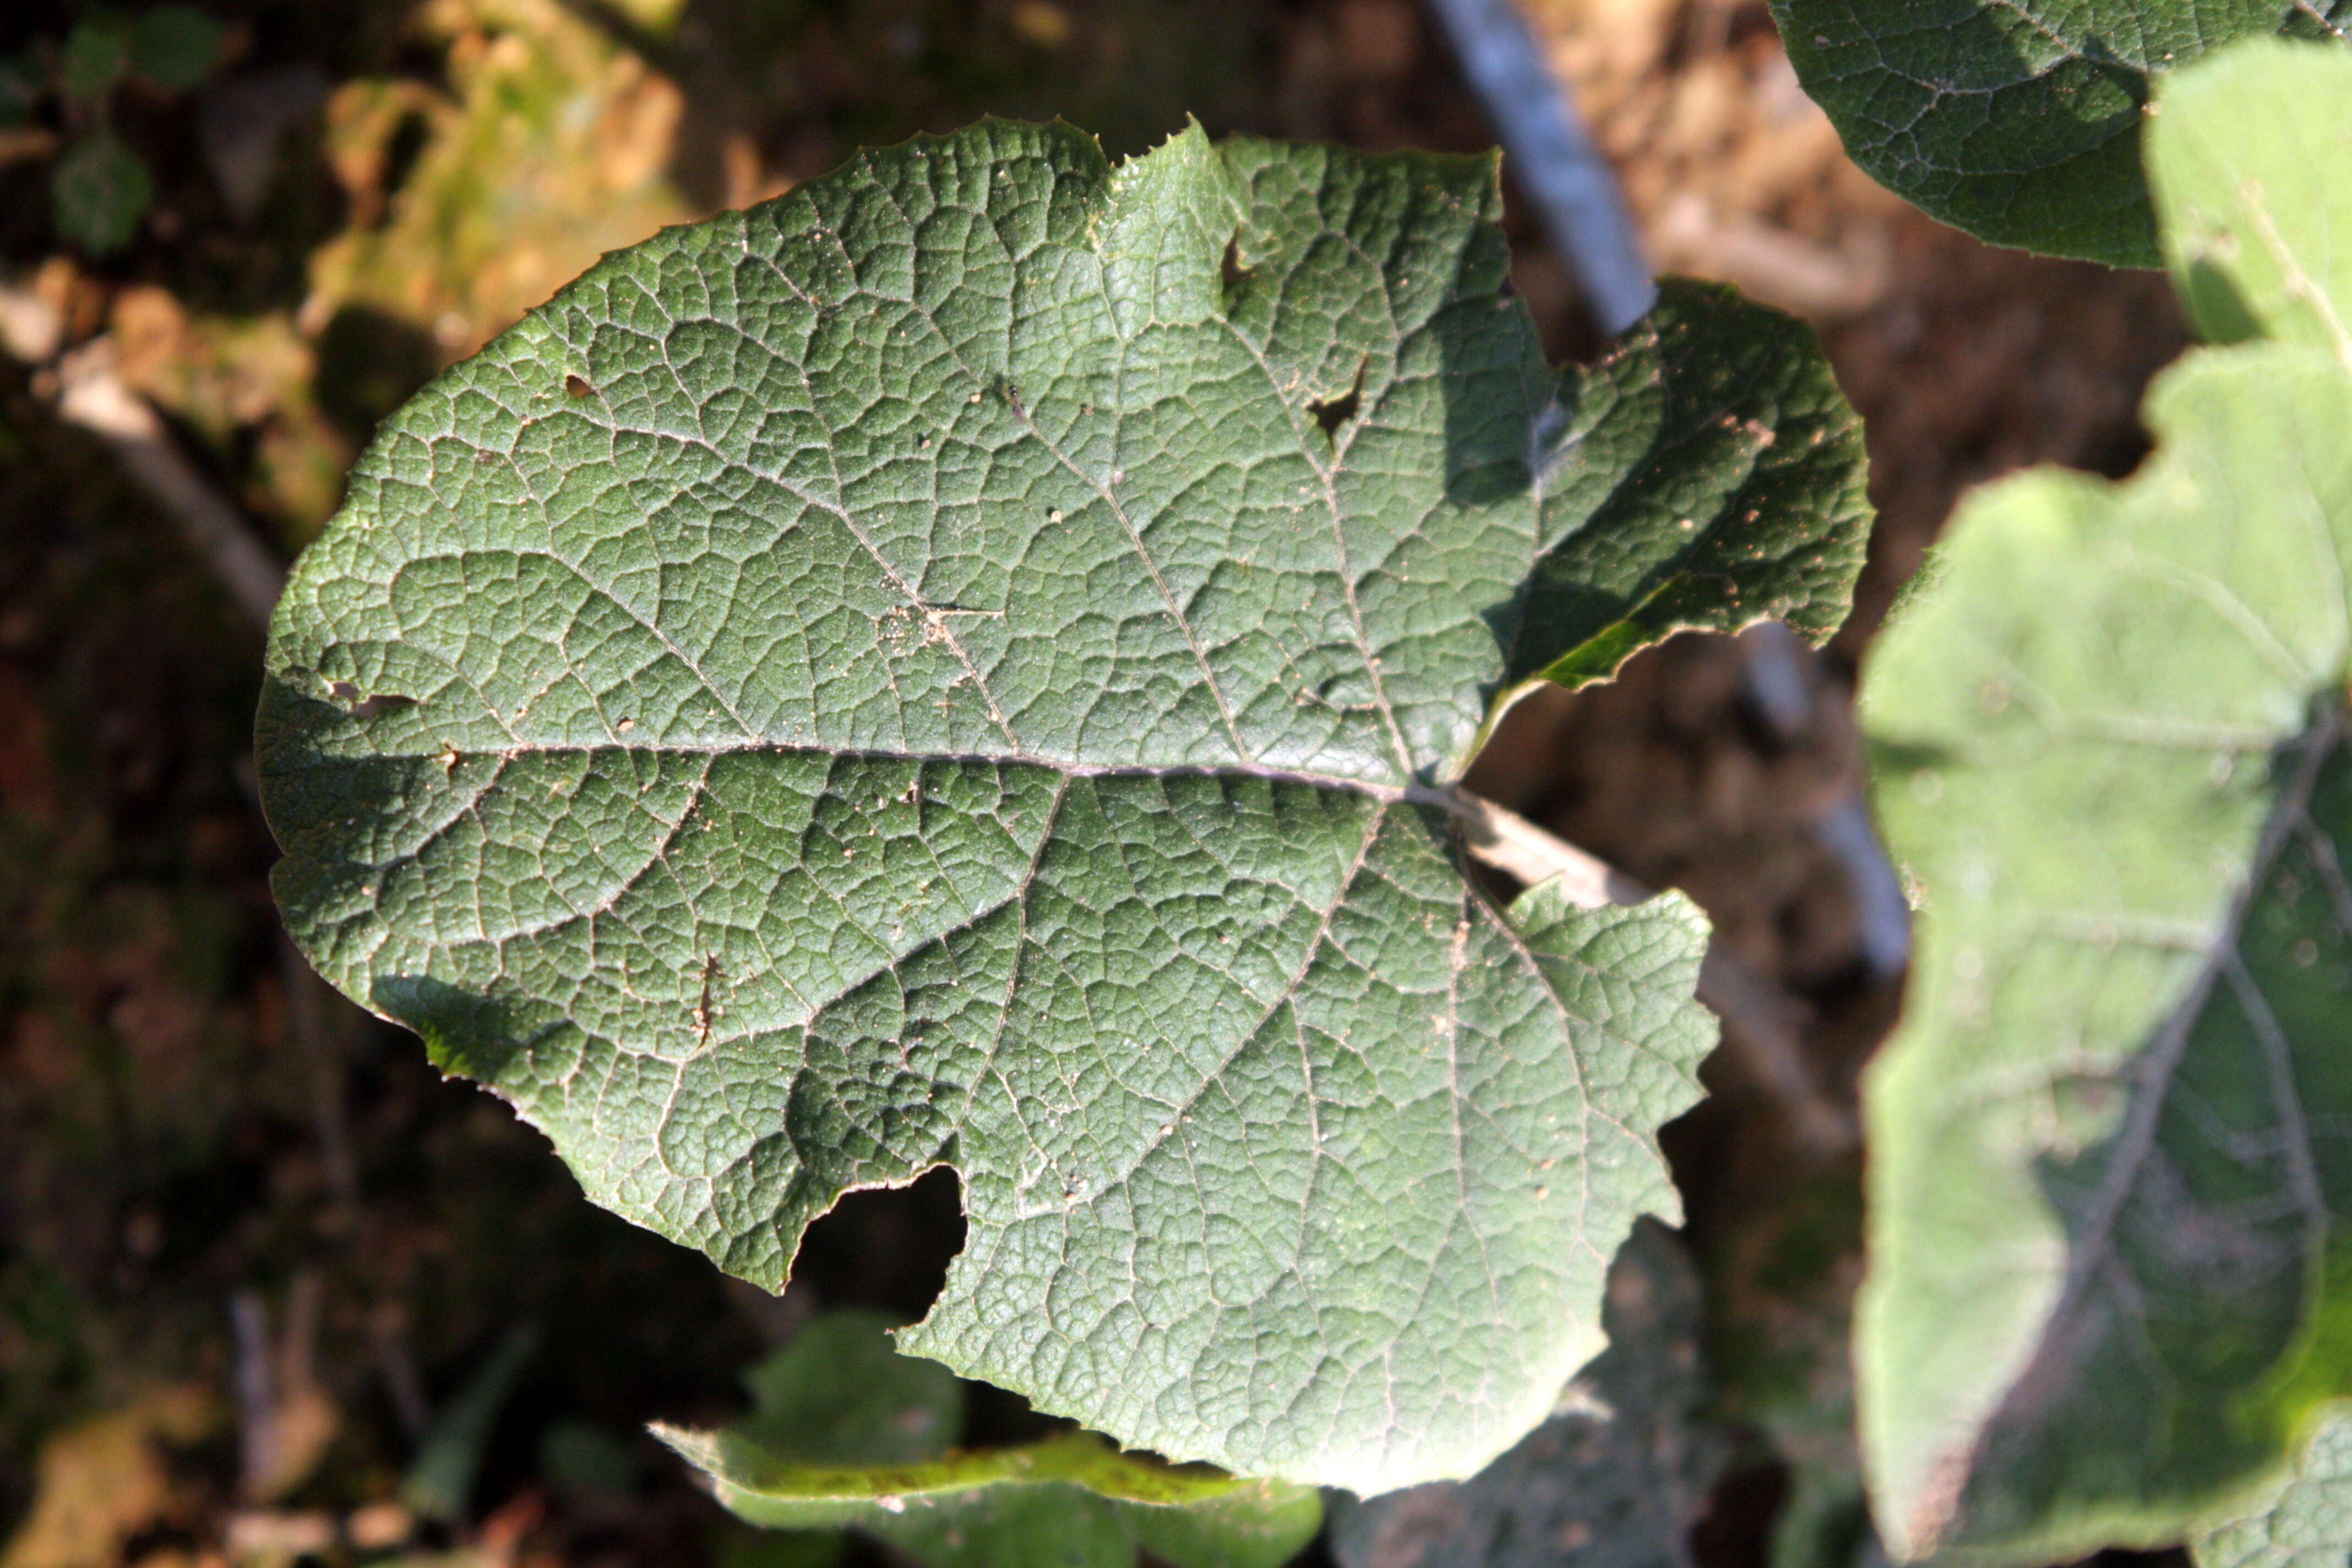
585	1459
103	1481
96	54
845	1432
20	89
1780	1279
103	191
440	1480
2018	120
2304	1522
1614	1480
2110	1276
516	171
175	47
950	666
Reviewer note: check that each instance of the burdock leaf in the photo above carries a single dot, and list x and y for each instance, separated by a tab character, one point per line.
2020	121
962	666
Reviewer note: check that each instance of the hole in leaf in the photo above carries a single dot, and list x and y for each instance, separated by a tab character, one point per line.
885	1248
577	386
1230	268
1331	412
344	692
888	1248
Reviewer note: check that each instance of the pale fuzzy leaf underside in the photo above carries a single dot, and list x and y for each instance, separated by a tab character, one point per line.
946	667
2109	1170
2252	231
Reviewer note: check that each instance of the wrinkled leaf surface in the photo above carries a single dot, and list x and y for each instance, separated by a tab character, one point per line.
1613	1480
2303	1522
2019	120
949	668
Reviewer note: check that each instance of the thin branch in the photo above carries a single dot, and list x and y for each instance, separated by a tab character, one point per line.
257	1394
94	396
1511	844
1758	1025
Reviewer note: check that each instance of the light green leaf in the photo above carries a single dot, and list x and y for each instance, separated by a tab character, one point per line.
954	667
2303	1522
1615	1479
2253	228
1069	1500
845	1432
2019	120
2108	1285
101	190
440	1480
2101	1175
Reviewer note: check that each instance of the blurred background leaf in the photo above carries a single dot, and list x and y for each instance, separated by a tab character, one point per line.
175	47
102	192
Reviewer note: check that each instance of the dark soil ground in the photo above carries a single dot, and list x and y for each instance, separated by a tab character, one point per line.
215	1176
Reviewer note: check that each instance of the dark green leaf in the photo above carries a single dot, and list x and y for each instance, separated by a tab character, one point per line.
20	89
440	1481
841	1394
959	666
95	57
103	191
176	47
2018	120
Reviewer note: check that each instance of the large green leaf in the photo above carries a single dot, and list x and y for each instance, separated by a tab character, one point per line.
2019	120
847	1431
2108	1281
1615	1479
954	667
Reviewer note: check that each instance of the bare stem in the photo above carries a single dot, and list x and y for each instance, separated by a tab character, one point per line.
94	396
1758	1017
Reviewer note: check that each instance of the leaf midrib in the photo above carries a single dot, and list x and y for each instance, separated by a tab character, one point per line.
1436	796
2092	1246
